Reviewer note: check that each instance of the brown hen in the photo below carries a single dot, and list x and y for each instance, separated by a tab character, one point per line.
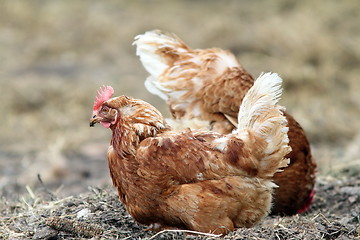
203	89
198	180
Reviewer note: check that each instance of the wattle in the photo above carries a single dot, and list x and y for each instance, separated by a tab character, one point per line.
308	202
105	124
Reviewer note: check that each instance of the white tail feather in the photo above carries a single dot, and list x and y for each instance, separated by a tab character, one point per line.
154	49
263	96
153	86
260	114
147	46
176	71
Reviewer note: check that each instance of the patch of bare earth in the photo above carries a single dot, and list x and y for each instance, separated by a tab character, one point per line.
98	214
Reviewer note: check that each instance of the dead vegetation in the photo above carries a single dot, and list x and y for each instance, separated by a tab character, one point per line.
98	214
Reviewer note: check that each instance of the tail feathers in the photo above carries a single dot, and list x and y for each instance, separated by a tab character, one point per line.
157	50
177	71
153	86
259	114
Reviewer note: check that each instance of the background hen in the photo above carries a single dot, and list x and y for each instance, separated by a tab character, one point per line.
203	89
198	180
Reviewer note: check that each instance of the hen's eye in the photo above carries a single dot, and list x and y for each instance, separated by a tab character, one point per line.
105	110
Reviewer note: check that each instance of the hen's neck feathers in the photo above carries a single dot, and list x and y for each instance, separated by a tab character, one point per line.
137	120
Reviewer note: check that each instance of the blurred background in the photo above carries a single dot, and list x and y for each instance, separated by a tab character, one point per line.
55	54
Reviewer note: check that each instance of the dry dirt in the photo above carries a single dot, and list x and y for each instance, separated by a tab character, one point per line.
54	55
98	214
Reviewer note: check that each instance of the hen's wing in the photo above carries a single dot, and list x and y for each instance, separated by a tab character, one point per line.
200	188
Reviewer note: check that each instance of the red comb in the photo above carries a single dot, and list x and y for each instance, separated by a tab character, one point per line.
103	94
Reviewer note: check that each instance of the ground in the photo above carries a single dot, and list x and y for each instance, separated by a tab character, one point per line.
98	214
55	55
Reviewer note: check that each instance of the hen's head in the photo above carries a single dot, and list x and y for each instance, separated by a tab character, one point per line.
132	114
102	113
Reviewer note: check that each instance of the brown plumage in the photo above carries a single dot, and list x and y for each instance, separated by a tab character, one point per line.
198	180
208	85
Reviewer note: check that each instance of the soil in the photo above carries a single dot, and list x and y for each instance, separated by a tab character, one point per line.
98	214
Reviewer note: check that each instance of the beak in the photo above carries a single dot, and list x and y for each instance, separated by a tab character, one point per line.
95	119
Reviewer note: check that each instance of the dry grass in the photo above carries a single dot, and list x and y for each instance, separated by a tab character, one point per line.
98	214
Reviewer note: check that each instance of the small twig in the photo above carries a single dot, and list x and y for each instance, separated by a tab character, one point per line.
315	217
279	223
277	236
323	217
53	203
357	228
57	191
31	193
44	186
184	231
281	226
26	203
126	238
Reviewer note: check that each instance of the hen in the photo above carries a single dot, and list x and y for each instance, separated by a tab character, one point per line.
203	89
198	180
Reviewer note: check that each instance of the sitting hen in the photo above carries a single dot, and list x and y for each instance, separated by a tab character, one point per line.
197	180
203	89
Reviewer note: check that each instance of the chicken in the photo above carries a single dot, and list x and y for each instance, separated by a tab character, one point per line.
203	89
197	180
